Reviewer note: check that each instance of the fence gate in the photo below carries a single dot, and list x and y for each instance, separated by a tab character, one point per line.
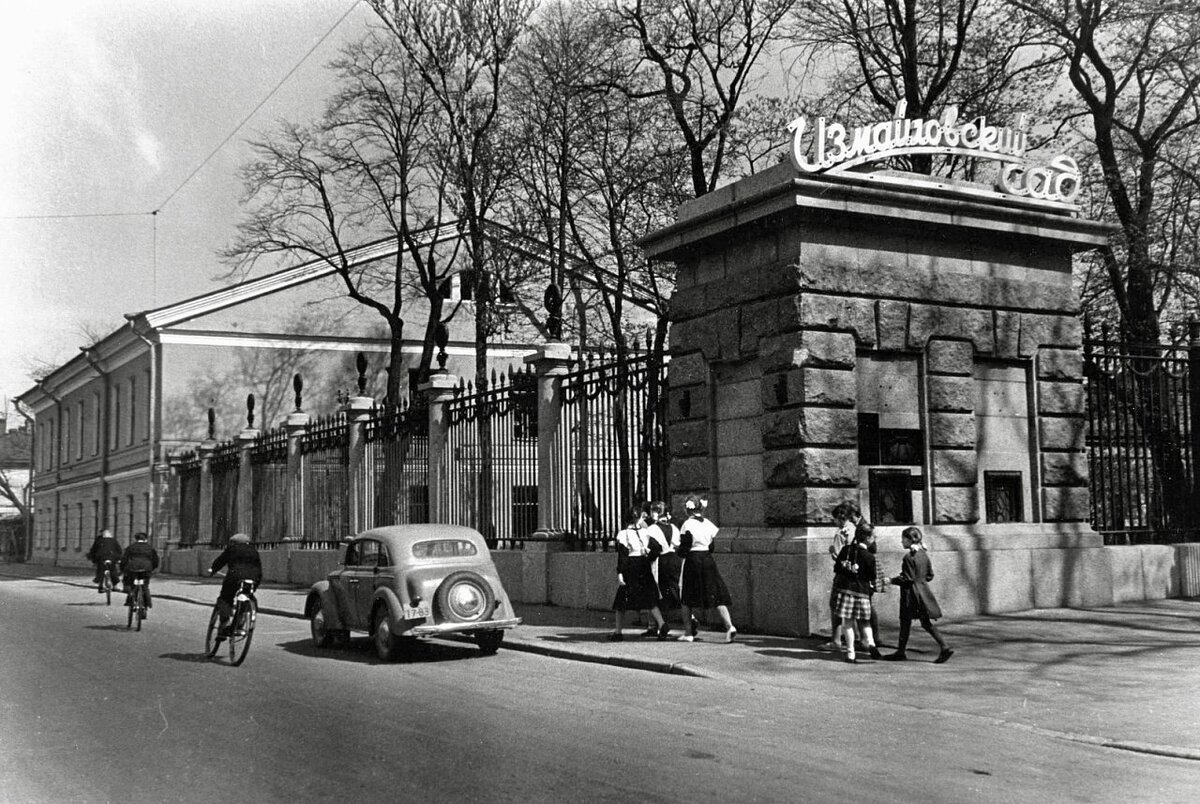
268	462
225	470
326	496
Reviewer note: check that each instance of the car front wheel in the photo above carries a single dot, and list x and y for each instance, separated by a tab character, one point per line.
322	636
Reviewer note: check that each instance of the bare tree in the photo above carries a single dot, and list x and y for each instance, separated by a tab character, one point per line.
699	58
368	168
461	51
1135	67
923	56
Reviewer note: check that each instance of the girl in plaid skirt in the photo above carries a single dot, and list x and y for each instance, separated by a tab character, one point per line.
854	575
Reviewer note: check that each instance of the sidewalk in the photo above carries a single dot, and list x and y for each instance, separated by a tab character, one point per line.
1123	676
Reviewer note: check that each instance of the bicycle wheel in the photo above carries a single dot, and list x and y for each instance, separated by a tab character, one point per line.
210	637
243	631
129	605
139	606
107	587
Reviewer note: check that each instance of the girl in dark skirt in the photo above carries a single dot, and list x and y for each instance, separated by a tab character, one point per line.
916	598
636	587
854	576
701	585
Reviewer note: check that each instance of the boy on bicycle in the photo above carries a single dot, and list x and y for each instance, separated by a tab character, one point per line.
139	557
104	548
241	562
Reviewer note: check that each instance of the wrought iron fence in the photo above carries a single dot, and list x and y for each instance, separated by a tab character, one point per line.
188	471
326	487
397	463
224	466
611	444
1142	441
268	464
492	472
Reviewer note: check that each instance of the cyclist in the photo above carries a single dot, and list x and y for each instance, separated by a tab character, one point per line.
139	557
241	562
105	548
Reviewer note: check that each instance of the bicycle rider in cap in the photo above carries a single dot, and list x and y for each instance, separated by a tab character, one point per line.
241	562
139	557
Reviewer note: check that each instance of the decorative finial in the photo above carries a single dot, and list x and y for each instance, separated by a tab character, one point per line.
250	411
212	424
298	386
553	304
361	364
441	337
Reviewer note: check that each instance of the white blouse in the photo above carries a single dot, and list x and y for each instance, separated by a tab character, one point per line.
703	532
635	540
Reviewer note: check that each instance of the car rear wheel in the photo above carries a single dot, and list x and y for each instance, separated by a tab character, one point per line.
489	641
465	597
322	635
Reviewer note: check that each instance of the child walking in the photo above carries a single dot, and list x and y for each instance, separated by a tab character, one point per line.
916	598
701	585
854	578
636	587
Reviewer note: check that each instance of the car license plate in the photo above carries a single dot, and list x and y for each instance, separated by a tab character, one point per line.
415	612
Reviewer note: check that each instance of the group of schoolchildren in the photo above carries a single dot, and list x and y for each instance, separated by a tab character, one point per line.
857	577
662	567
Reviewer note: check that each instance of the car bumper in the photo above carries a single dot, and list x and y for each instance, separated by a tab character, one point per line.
460	628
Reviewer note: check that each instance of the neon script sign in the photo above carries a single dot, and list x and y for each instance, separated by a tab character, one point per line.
829	147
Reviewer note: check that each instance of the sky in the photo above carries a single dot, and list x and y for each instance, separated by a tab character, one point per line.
107	109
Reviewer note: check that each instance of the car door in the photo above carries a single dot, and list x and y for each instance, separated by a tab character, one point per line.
342	588
362	581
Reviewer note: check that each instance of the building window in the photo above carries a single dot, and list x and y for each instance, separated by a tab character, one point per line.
96	517
66	437
97	423
79	431
131	513
891	496
114	438
78	527
132	409
1002	495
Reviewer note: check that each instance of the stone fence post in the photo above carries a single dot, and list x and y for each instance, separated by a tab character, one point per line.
438	393
551	363
361	491
245	490
295	426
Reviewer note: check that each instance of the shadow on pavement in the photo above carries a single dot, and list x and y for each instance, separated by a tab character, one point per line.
360	651
194	658
109	627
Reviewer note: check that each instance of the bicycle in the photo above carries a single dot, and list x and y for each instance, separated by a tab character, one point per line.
106	580
241	625
135	599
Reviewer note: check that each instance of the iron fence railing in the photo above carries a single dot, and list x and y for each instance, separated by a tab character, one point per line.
225	468
1142	441
188	470
268	466
611	445
397	464
326	487
492	472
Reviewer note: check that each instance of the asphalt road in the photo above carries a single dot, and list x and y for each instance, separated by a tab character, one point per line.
91	712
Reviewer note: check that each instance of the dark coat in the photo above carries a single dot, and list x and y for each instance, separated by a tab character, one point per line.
861	580
242	561
139	557
104	549
916	571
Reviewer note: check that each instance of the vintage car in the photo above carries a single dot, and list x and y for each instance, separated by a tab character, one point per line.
410	581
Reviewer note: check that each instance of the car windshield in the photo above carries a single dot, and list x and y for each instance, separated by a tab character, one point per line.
444	548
